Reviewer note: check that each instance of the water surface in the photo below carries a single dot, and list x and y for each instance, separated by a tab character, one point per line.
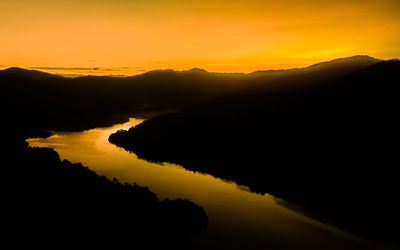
238	219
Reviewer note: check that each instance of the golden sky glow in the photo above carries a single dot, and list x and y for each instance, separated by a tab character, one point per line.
229	35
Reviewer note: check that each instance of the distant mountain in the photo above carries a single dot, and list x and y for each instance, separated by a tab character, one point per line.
314	74
360	60
346	64
57	103
54	102
29	74
279	82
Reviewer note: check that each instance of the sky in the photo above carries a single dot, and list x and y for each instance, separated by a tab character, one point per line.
129	36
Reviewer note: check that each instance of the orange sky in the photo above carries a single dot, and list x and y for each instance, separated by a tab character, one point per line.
128	36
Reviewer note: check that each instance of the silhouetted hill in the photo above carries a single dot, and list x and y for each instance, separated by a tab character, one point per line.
279	80
53	102
52	204
326	143
28	74
42	100
348	63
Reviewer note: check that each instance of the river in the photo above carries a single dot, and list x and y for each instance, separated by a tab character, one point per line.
238	219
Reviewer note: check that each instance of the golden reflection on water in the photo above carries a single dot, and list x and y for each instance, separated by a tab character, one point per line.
238	219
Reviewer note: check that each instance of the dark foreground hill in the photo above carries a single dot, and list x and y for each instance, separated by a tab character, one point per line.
39	100
325	143
47	203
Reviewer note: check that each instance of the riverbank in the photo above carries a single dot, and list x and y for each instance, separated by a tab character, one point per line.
50	203
237	218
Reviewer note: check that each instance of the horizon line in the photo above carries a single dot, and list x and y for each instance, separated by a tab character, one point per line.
69	71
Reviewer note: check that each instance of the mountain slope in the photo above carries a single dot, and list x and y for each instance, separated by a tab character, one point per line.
326	146
53	102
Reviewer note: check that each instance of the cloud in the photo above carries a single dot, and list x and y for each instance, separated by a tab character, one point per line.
71	68
82	71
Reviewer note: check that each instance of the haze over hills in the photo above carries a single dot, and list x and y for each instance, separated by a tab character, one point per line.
58	103
353	61
55	102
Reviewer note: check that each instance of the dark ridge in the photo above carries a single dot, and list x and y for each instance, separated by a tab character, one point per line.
30	74
358	59
196	70
50	102
41	100
52	204
346	62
